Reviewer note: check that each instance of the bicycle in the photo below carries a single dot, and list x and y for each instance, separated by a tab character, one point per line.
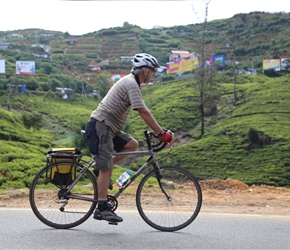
63	194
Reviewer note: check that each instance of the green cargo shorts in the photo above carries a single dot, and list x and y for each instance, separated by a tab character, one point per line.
109	143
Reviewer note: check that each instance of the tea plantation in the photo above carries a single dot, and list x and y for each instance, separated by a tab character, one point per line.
249	141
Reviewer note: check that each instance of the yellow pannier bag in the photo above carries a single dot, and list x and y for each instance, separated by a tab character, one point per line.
63	174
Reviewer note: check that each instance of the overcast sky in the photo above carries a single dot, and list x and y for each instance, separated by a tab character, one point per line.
81	17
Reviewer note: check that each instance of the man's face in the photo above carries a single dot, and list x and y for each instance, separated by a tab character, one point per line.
151	73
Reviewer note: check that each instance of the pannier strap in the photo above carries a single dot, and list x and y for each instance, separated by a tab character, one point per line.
63	155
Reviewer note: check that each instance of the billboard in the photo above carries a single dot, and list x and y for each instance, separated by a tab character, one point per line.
25	68
272	64
2	66
220	59
181	66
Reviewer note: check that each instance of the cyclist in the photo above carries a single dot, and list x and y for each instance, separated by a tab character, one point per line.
104	129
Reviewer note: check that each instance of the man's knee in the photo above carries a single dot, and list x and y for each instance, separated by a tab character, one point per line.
107	172
132	145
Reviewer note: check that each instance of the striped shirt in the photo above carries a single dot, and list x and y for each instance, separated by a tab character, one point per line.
116	105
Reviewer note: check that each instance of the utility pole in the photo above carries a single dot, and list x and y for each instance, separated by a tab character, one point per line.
202	84
83	91
235	75
235	70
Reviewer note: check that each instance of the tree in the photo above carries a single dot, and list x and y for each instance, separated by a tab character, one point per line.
206	86
32	121
126	24
47	68
55	83
104	83
80	141
205	83
32	84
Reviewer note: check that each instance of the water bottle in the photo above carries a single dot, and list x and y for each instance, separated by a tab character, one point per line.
124	177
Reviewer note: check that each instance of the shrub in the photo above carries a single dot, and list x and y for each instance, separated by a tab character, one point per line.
32	121
253	135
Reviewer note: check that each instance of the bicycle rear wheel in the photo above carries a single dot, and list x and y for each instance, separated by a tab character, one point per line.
174	211
53	205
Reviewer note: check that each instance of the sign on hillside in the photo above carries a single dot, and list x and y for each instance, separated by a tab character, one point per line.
181	66
272	64
25	68
2	66
220	59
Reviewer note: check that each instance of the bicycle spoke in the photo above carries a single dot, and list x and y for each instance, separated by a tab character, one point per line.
175	212
50	204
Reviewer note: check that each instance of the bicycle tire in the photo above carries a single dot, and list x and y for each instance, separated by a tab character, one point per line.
169	215
45	194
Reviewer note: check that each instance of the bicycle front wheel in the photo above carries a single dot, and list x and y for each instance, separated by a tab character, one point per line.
174	207
53	204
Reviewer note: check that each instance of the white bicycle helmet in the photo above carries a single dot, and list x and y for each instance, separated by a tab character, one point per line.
145	60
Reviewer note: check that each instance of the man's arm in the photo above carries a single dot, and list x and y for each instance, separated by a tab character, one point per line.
149	120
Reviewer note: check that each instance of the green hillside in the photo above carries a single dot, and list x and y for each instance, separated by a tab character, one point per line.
224	152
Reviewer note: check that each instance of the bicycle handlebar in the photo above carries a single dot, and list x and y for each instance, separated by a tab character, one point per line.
159	145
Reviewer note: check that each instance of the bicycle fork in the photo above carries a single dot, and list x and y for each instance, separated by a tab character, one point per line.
159	177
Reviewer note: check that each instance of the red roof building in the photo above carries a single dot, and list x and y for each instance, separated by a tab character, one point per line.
177	55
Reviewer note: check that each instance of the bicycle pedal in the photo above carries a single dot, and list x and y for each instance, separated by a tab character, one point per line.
113	223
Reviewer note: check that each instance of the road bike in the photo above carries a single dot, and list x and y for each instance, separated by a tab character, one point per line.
63	194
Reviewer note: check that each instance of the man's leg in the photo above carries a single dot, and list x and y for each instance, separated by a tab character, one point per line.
103	212
105	165
103	183
132	145
122	143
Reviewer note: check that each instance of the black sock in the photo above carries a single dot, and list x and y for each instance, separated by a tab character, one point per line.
102	205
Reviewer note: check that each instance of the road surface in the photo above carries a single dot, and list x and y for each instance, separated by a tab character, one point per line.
20	229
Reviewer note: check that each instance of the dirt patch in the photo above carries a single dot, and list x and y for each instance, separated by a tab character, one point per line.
234	196
229	196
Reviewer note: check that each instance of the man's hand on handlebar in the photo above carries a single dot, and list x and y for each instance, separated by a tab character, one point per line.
166	136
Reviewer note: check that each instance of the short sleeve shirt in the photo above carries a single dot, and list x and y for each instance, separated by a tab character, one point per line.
116	105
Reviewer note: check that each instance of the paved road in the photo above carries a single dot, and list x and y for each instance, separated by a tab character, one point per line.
20	229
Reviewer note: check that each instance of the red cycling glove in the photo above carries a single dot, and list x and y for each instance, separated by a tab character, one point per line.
165	136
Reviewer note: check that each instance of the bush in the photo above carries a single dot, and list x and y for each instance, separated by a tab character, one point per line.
32	121
253	135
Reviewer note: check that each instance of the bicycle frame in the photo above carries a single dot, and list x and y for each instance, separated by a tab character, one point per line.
151	160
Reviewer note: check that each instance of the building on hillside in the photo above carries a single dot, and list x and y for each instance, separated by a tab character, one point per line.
65	93
93	66
158	27
178	55
16	36
104	63
247	71
41	51
126	58
46	35
71	42
16	89
4	45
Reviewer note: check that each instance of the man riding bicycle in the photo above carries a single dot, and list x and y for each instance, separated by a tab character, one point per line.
104	128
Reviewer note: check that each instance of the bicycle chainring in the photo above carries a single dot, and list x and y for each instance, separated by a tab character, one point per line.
112	202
